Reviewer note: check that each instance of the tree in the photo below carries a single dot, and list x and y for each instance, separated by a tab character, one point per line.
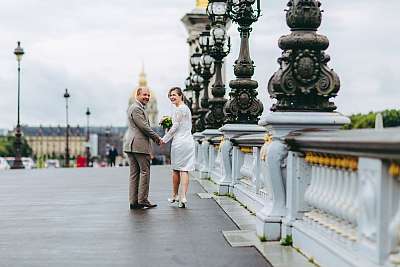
391	118
7	147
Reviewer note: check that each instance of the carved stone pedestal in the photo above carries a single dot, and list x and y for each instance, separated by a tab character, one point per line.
280	124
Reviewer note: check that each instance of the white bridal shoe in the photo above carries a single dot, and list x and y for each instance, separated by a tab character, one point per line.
182	203
173	199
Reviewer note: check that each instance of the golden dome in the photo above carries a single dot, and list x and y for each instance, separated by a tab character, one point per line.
201	3
143	83
142	79
152	106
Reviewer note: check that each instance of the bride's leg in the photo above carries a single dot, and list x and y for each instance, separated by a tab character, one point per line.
185	183
175	186
176	179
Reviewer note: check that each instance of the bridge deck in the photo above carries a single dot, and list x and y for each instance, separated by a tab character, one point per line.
80	217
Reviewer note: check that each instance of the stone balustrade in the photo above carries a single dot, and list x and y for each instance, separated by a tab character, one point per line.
347	211
339	197
214	155
248	184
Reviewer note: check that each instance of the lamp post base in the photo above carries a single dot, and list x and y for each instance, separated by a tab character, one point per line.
17	164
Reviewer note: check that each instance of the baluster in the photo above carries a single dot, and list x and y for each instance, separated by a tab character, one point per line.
351	206
310	191
394	228
312	187
319	187
257	175
354	193
340	188
347	198
322	202
331	200
330	204
331	191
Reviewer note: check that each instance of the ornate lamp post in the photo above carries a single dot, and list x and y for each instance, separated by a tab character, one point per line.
216	10
188	89
304	82
302	87
19	52
66	96
243	106
87	138
196	81
206	62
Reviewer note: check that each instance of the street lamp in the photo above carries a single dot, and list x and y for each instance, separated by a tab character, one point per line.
196	81
87	138
189	91
243	106
66	96
204	70
217	13
19	52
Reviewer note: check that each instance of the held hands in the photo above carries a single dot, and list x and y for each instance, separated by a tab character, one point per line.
160	142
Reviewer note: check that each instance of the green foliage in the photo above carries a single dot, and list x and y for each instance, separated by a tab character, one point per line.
391	118
262	238
287	241
166	122
7	147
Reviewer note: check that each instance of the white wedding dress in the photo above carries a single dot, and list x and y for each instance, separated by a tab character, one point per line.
182	147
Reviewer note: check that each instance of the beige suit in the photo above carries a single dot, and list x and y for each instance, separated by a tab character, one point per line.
138	148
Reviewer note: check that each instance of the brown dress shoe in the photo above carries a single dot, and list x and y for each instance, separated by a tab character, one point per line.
148	205
135	206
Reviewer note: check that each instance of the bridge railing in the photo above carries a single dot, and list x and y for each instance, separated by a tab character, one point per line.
343	196
339	198
248	182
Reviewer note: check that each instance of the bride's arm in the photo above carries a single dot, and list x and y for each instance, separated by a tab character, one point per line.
178	116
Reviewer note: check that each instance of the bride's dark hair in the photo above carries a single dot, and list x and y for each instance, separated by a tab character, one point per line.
178	91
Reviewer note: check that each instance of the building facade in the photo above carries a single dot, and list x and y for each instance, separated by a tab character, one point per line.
51	141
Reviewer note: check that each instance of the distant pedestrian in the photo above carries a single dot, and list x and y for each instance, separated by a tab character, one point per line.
113	154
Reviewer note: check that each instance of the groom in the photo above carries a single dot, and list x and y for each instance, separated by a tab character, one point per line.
137	147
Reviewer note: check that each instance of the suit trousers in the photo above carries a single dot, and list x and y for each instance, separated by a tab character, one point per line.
139	177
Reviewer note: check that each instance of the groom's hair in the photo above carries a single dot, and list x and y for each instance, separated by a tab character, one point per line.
140	89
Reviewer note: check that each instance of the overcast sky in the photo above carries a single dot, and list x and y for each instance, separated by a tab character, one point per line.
95	48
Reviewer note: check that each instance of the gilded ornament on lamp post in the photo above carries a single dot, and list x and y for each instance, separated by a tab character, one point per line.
217	14
304	82
243	106
201	3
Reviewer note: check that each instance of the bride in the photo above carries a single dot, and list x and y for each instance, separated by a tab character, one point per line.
182	147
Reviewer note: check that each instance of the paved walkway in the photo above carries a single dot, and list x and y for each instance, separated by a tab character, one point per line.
80	217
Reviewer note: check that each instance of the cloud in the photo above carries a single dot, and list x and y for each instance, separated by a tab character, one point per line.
96	49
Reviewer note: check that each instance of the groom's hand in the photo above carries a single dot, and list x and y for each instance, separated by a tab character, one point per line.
159	141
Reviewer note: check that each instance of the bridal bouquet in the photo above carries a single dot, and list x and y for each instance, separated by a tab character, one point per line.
166	122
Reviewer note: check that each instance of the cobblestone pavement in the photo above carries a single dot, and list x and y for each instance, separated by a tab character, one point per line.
80	217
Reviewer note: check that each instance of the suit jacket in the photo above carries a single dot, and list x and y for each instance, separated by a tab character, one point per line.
139	131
